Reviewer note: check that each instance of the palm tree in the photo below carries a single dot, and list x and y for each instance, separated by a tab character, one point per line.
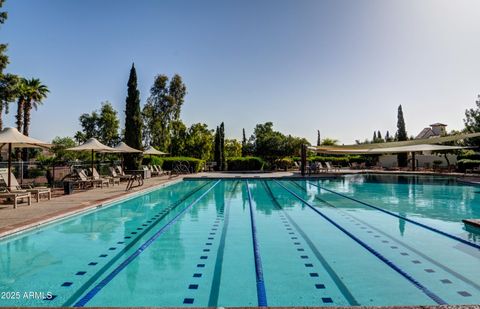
22	92
36	92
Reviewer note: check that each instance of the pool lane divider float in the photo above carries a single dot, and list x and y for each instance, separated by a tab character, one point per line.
94	291
466	242
261	292
437	299
217	273
331	272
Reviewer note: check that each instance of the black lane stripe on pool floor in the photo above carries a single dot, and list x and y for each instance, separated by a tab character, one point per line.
393	266
70	301
331	272
99	286
217	273
398	241
432	229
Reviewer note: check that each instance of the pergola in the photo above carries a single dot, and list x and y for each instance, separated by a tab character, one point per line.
412	146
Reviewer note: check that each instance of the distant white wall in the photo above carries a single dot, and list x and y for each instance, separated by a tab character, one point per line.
423	160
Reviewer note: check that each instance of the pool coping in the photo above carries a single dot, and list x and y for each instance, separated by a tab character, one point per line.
28	225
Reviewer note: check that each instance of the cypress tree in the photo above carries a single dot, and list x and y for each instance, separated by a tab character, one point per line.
387	136
133	121
222	147
374	137
244	143
401	135
379	134
319	140
216	149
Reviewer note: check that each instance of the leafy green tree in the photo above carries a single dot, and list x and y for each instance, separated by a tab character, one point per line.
329	142
133	120
80	137
198	142
401	135
60	144
222	147
472	122
89	124
177	90
3	47
178	138
233	148
108	125
9	84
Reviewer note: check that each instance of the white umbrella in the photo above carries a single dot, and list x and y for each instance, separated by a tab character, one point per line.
92	144
14	139
152	151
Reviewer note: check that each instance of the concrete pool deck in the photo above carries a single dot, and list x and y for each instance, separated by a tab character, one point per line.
26	217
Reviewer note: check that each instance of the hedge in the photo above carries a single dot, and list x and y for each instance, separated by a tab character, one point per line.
194	164
152	161
465	164
245	164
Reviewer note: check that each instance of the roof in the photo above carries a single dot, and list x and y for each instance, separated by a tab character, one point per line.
425	133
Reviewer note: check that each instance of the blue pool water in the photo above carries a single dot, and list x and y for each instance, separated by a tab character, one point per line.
355	240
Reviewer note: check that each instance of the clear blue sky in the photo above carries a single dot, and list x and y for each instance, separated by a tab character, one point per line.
339	66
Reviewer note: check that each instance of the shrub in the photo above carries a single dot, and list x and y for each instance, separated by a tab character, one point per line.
245	164
465	164
194	164
152	161
284	163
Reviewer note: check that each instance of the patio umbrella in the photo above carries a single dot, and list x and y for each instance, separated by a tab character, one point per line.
14	139
124	148
152	151
93	145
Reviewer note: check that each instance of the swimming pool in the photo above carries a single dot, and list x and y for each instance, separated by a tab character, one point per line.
355	240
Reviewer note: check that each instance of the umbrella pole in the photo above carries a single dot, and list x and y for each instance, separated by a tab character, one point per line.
92	161
9	165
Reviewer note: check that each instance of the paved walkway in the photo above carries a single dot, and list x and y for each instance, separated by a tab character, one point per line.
23	217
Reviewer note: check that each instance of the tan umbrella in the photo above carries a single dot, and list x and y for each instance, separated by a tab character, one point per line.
124	148
93	145
152	151
14	139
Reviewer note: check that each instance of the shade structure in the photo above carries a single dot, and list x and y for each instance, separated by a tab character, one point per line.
124	148
93	145
400	149
152	151
14	139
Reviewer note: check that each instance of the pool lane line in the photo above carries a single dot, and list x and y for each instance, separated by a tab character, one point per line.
94	291
71	300
331	272
412	280
217	273
261	292
466	242
398	241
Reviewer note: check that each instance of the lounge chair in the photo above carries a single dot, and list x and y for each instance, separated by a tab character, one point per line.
85	179
153	171
114	174
19	196
96	176
15	187
160	170
331	167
